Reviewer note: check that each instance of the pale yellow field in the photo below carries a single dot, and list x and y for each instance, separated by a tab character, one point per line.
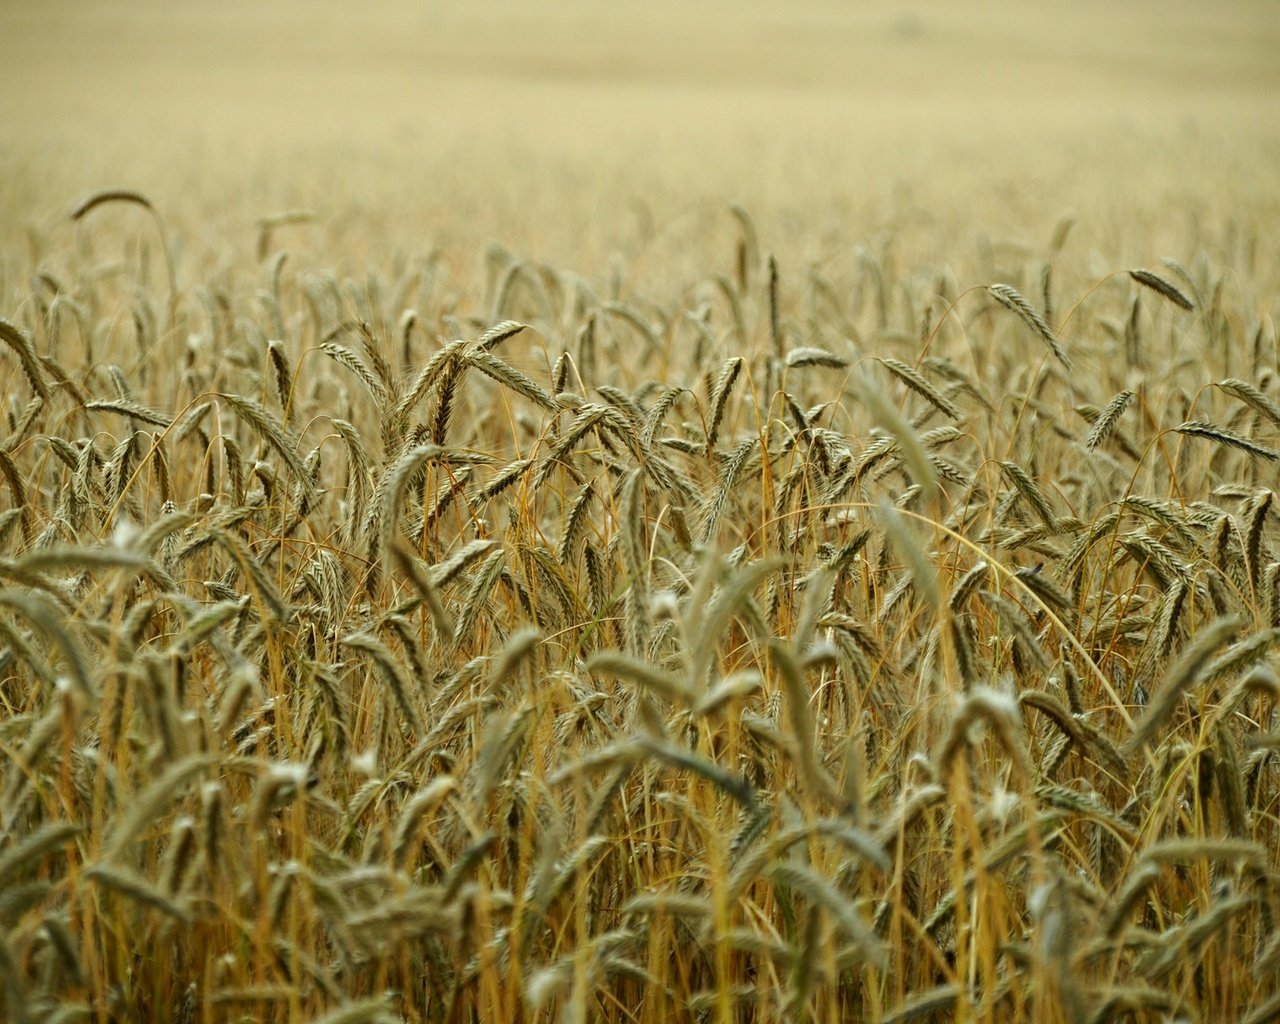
698	512
488	118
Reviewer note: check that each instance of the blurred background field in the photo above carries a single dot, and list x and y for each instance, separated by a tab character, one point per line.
569	127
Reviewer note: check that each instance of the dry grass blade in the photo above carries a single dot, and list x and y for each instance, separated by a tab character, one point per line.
362	1011
39	610
648	677
912	448
153	802
33	846
910	549
130	884
926	1004
818	781
806	882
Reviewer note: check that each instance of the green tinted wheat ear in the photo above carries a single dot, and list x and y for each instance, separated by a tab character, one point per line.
152	802
1270	593
427	378
1242	654
904	441
263	585
734	463
1046	293
812	356
504	479
1011	298
1000	712
344	356
913	379
1213	432
1107	419
21	345
1031	493
283	377
575	523
1133	334
395	485
499	333
135	887
273	433
632	537
1169	622
442	574
720	397
586	342
806	882
129	196
511	378
1015	620
926	1005
26	418
17	492
648	677
1158	284
117	195
34	846
445	397
41	612
127	407
1254	543
1253	397
911	549
1185	674
478	597
1230	779
425	800
775	316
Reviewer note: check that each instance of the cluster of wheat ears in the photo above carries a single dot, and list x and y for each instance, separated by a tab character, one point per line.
836	644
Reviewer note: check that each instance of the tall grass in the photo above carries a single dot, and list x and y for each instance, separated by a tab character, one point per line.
848	647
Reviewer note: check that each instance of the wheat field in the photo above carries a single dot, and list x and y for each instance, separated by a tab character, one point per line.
711	513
